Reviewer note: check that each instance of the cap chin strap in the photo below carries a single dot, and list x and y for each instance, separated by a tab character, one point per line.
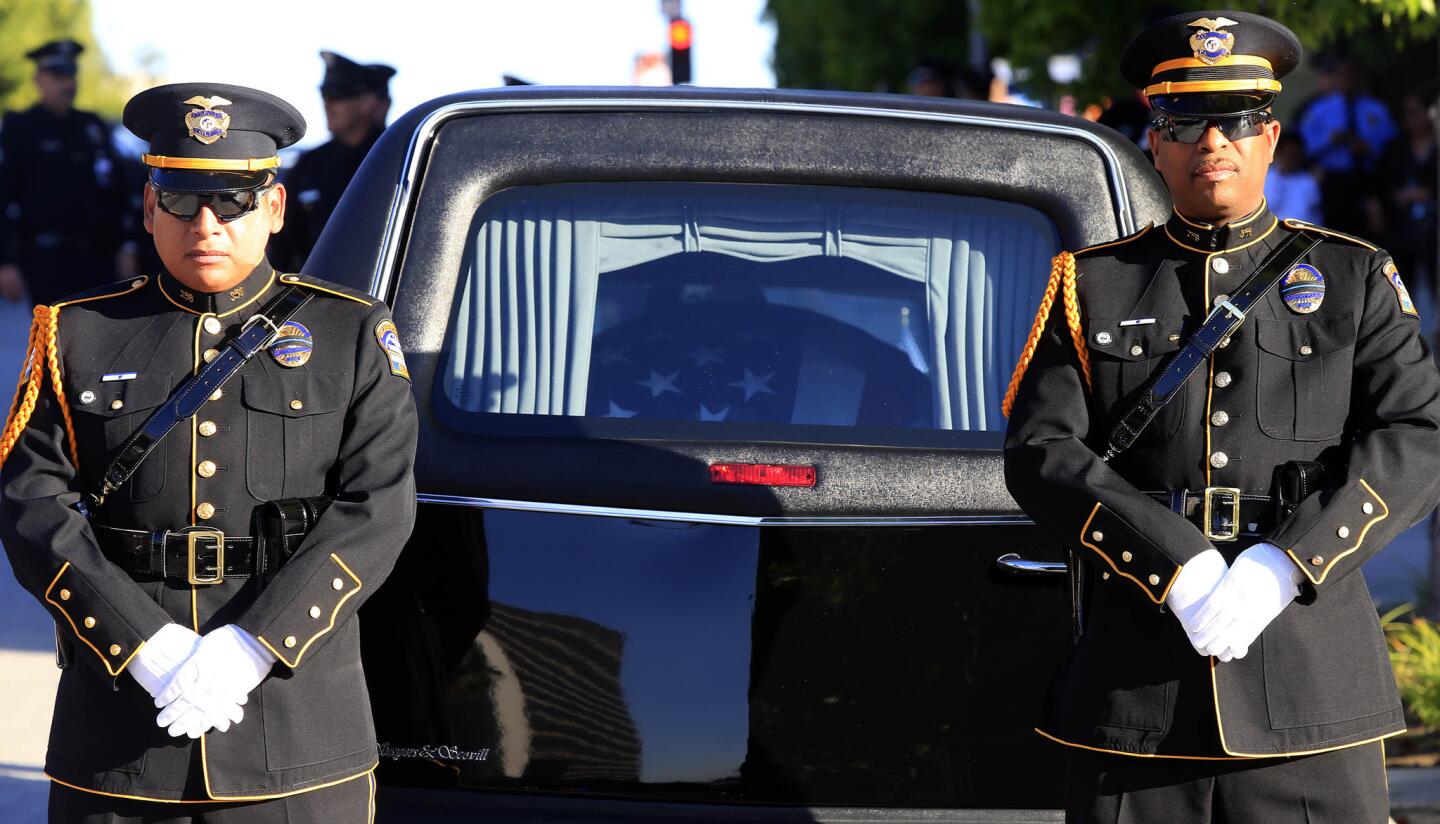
206	164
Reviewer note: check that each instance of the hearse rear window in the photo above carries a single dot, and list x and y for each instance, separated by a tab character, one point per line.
711	310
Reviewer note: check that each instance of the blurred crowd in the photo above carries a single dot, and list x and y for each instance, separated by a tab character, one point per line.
1346	159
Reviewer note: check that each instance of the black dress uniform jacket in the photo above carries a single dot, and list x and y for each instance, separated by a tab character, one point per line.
63	201
315	185
341	423
1351	384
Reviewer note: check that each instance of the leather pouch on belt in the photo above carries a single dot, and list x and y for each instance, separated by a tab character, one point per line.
281	525
1293	482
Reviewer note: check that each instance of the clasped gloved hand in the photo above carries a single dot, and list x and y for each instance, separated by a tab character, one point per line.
1198	578
1260	584
210	688
161	655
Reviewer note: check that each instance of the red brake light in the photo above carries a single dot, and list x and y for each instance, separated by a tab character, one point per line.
762	474
679	34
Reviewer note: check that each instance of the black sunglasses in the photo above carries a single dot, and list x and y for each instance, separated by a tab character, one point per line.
1181	129
226	206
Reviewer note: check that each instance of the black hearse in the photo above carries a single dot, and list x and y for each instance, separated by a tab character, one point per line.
711	518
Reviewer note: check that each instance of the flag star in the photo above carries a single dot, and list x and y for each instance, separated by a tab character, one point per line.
659	384
615	354
753	384
618	411
707	415
703	355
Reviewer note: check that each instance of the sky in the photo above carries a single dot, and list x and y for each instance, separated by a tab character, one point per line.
438	47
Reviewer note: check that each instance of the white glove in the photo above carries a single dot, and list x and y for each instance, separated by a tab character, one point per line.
1260	584
1197	579
161	655
209	689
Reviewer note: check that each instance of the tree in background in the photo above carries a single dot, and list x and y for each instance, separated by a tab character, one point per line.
869	46
862	45
30	23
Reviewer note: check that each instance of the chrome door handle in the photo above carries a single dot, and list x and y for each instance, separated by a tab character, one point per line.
1012	562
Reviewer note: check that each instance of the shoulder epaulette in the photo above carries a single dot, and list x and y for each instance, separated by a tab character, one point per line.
1292	223
108	290
1122	241
329	288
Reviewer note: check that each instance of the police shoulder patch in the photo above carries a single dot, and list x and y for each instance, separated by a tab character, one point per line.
1392	274
389	339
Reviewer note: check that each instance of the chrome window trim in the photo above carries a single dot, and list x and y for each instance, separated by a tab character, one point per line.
404	195
721	520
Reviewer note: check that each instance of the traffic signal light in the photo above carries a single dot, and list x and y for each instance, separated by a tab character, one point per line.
680	36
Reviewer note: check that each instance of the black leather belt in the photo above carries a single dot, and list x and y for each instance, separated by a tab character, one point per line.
196	554
1222	513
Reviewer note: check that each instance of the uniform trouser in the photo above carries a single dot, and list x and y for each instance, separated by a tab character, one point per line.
1339	787
350	802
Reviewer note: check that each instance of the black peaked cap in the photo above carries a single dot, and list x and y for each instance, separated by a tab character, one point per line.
212	136
56	56
1211	61
346	78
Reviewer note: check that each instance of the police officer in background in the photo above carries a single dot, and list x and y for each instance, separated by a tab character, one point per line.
63	221
357	101
171	610
1228	665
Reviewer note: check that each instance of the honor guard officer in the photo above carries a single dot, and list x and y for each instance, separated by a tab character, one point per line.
167	469
1223	417
63	220
357	101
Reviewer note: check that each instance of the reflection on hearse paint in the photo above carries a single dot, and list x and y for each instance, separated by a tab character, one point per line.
549	685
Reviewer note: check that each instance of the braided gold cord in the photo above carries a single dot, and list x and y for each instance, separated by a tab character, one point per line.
27	391
1072	316
52	354
1062	280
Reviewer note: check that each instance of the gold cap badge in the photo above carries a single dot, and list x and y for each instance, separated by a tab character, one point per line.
207	124
1210	44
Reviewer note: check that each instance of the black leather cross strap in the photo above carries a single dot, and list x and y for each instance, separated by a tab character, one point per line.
1221	323
185	401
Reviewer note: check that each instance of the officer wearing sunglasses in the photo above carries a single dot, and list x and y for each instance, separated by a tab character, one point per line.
208	674
1228	664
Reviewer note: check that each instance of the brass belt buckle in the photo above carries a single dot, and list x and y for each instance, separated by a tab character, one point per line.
212	535
1222	513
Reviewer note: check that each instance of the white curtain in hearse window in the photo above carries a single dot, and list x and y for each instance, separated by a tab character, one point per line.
523	339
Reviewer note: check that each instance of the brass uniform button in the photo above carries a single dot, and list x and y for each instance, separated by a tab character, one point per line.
137	283
207	428
1343	532
1154	580
64	594
297	404
1104	576
1222	379
117	404
1103	338
89	622
1137	350
1097	536
337	584
1220	298
114	649
1224	342
1219	460
212	325
217	395
87	396
1317	560
1306	350
205	511
1126	556
314	612
211	354
206	469
1220	265
290	642
1220	418
1368	508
